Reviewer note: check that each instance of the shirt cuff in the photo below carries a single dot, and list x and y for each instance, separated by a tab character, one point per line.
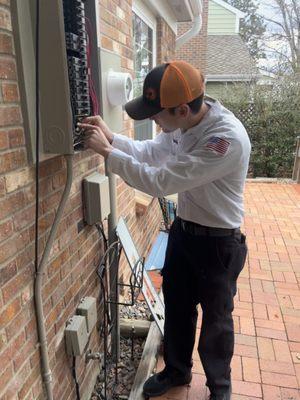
115	158
118	140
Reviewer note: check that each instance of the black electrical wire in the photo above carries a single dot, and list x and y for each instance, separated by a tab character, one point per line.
37	136
74	373
100	228
105	334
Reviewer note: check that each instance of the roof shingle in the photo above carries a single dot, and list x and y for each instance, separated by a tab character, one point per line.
227	55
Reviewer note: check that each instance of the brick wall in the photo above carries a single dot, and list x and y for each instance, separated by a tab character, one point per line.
70	272
195	50
165	42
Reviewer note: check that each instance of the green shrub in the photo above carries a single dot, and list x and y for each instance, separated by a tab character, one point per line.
271	115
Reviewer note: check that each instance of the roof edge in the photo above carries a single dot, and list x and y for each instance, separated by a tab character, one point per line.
232	78
234	10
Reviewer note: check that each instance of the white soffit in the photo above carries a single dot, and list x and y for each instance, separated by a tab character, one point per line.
161	9
172	11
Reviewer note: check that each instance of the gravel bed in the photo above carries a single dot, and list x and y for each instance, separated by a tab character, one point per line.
129	359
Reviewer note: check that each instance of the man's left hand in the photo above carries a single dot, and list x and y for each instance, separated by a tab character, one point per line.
96	140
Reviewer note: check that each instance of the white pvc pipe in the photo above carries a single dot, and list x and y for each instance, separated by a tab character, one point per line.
196	6
197	24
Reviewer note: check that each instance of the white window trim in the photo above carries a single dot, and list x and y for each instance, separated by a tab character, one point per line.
143	12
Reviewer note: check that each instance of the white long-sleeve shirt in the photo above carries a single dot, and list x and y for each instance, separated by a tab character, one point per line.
206	165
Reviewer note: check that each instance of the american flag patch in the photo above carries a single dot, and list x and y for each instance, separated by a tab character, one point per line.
217	144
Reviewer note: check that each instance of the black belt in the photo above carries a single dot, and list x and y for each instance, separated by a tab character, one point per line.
201	230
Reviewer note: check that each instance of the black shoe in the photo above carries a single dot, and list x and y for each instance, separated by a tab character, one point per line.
161	382
223	396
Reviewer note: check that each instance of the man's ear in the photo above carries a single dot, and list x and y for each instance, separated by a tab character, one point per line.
183	110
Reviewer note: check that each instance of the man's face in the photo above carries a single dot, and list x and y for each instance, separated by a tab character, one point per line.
167	121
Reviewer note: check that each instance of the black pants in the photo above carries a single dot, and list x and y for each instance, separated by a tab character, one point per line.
201	270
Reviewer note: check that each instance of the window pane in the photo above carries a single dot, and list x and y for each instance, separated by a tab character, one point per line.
143	63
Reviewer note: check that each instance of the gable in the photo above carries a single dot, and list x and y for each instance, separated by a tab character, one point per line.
223	18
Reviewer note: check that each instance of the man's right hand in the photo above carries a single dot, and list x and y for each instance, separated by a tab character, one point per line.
96	120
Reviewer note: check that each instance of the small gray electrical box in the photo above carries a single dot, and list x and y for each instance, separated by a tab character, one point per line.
76	335
96	198
88	309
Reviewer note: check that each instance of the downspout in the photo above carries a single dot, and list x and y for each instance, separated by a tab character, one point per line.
196	8
46	373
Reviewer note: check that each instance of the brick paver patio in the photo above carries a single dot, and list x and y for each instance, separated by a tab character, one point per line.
266	362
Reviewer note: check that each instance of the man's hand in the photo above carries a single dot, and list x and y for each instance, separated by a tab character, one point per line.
95	139
97	121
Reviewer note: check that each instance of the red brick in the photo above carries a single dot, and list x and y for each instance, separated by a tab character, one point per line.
247	326
10	312
274	324
16	137
271	392
7	70
265	349
6	42
11	349
271	378
282	351
13	160
236	368
19	281
13	245
10	115
2	186
289	394
16	382
4	143
277	366
10	92
260	311
243	350
7	272
293	331
246	388
24	218
271	333
6	230
22	318
10	204
6	376
25	351
5	21
251	371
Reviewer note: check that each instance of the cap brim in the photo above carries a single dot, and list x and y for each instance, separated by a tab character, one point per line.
138	109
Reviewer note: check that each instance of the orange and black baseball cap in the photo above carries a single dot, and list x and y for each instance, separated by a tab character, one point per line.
166	86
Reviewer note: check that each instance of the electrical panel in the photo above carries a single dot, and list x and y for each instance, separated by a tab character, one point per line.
65	58
69	69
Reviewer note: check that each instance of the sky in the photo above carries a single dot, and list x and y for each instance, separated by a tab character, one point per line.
266	10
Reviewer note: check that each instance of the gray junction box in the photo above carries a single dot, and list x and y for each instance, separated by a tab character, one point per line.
96	198
88	309
76	335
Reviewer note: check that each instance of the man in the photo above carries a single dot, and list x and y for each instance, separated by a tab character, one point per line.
202	154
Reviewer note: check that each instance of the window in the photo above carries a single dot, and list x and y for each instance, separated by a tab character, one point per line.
143	36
